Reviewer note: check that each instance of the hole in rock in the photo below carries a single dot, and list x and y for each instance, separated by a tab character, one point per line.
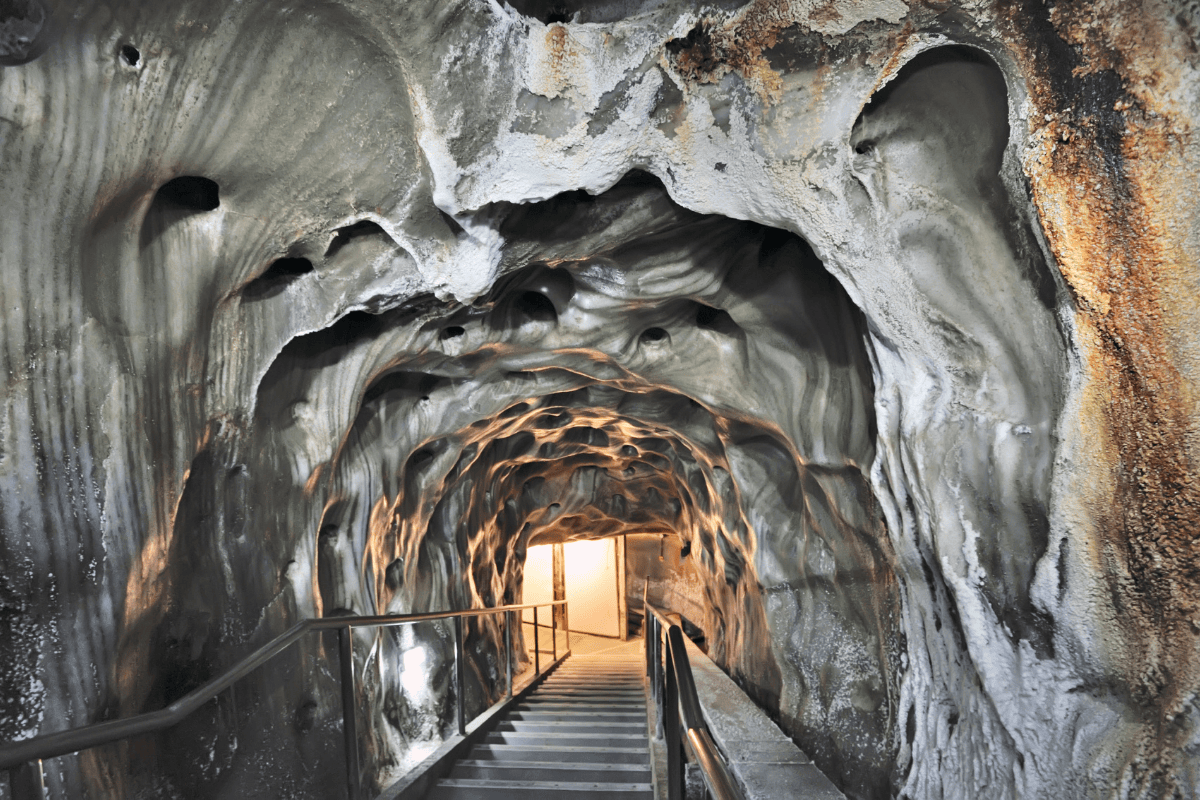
537	307
453	332
359	230
716	320
451	223
276	278
404	385
653	335
598	11
130	55
330	584
189	192
177	200
514	410
24	32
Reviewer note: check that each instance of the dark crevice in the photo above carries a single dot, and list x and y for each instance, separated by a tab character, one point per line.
451	223
653	335
176	200
553	12
537	307
130	55
359	230
420	459
25	31
277	277
188	192
404	385
716	320
328	578
307	354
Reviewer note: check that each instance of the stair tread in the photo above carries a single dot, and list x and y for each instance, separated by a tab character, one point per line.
571	728
598	735
586	691
594	702
564	785
580	733
552	725
559	765
545	748
591	713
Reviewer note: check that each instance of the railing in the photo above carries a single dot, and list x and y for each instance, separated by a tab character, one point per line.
23	759
674	693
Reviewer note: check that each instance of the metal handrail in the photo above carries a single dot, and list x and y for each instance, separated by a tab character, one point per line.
23	759
674	691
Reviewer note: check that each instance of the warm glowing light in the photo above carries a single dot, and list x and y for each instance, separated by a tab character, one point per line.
413	677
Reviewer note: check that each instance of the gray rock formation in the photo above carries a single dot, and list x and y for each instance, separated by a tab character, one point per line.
886	309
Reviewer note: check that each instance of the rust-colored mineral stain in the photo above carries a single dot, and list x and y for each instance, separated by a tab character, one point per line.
559	45
1103	193
712	49
826	12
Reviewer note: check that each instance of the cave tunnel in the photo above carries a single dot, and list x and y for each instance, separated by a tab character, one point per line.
859	336
579	399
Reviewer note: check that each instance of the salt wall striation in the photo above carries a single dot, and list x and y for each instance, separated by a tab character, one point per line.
886	309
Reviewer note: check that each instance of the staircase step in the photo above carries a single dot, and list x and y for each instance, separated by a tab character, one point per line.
579	735
527	714
598	686
551	771
582	694
466	789
621	702
579	707
557	726
591	680
543	739
573	755
588	686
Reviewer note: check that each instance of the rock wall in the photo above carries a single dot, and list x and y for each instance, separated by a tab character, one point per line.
885	308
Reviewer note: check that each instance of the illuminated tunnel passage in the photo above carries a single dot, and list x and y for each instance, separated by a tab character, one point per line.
638	369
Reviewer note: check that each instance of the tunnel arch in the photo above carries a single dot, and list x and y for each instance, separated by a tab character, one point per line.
745	426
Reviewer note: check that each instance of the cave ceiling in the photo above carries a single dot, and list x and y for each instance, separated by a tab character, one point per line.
885	309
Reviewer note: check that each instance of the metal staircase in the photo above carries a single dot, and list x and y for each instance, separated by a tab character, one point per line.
581	734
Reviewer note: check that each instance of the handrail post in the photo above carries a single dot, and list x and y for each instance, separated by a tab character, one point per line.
349	724
646	638
553	634
508	645
459	683
27	781
674	744
659	704
537	651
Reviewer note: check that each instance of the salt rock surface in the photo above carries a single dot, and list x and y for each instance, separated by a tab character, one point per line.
885	309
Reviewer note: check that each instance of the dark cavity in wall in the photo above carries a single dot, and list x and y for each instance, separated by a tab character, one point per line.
358	230
25	31
177	200
305	355
579	11
276	278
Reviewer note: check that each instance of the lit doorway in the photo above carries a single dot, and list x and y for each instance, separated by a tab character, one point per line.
590	575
